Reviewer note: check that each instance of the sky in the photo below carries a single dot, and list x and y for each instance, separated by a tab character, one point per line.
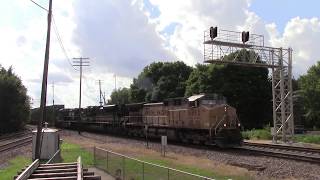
122	37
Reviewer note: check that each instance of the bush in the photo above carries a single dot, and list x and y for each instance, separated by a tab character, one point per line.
264	133
14	102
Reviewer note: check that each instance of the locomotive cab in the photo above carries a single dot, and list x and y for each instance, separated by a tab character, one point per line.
219	118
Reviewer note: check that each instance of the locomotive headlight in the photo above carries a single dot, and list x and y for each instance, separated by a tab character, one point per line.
239	124
225	109
225	125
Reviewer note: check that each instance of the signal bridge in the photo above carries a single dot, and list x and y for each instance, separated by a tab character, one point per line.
220	43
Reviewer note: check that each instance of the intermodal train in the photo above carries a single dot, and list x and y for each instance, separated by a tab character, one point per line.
203	119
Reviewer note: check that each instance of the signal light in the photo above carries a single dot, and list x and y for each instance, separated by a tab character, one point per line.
213	32
245	36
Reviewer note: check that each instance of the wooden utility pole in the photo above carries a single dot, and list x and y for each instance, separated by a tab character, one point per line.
53	108
80	63
44	86
100	92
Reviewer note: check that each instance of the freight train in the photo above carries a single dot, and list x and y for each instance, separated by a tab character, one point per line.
203	119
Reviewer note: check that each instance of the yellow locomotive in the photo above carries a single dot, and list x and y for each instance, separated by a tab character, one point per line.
197	119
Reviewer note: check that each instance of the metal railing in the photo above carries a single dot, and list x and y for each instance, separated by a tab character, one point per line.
55	158
124	167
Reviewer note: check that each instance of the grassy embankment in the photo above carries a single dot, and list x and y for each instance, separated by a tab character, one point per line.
133	169
13	167
265	134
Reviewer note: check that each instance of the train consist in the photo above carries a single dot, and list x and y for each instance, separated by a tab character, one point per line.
204	118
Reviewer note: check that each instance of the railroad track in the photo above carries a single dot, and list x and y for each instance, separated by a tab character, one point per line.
283	151
13	135
15	144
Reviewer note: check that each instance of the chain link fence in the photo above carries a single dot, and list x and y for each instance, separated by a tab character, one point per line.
126	168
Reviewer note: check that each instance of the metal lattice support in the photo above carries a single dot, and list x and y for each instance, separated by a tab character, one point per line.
278	59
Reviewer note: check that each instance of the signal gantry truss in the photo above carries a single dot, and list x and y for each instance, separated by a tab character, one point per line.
219	43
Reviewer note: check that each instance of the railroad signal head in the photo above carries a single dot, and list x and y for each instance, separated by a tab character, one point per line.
245	36
213	32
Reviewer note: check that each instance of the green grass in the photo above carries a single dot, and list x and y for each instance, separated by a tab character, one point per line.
307	138
257	134
134	169
15	165
70	153
191	169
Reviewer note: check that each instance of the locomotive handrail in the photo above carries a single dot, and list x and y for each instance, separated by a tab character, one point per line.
218	125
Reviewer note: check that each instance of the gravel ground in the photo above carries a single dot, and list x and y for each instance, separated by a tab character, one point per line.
261	167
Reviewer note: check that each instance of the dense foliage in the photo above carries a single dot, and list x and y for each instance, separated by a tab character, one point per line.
14	102
309	95
157	81
248	89
121	96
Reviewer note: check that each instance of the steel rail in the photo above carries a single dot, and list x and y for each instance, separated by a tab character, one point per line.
286	147
283	151
14	135
16	143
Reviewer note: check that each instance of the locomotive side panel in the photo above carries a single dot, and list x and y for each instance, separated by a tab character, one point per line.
155	114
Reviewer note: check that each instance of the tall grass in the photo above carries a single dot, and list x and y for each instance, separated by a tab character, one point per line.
308	138
258	134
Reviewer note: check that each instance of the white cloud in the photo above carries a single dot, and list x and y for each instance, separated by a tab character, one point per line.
303	36
193	17
117	36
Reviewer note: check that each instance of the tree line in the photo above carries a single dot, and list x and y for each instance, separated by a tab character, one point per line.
14	102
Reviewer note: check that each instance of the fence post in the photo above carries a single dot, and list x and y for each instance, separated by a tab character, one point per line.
94	156
123	167
142	170
108	161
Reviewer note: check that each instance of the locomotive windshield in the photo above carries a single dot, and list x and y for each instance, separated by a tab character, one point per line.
213	99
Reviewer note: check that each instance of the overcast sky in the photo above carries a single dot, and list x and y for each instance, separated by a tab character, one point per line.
123	36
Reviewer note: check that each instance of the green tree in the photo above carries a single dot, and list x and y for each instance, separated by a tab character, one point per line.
14	102
248	89
309	85
120	96
160	80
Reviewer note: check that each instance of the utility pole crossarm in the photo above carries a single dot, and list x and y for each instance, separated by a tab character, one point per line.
80	63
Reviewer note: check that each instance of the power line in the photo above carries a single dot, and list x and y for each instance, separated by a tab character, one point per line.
56	31
55	28
39	5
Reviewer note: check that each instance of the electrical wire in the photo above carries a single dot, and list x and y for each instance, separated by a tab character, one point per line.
39	6
55	28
